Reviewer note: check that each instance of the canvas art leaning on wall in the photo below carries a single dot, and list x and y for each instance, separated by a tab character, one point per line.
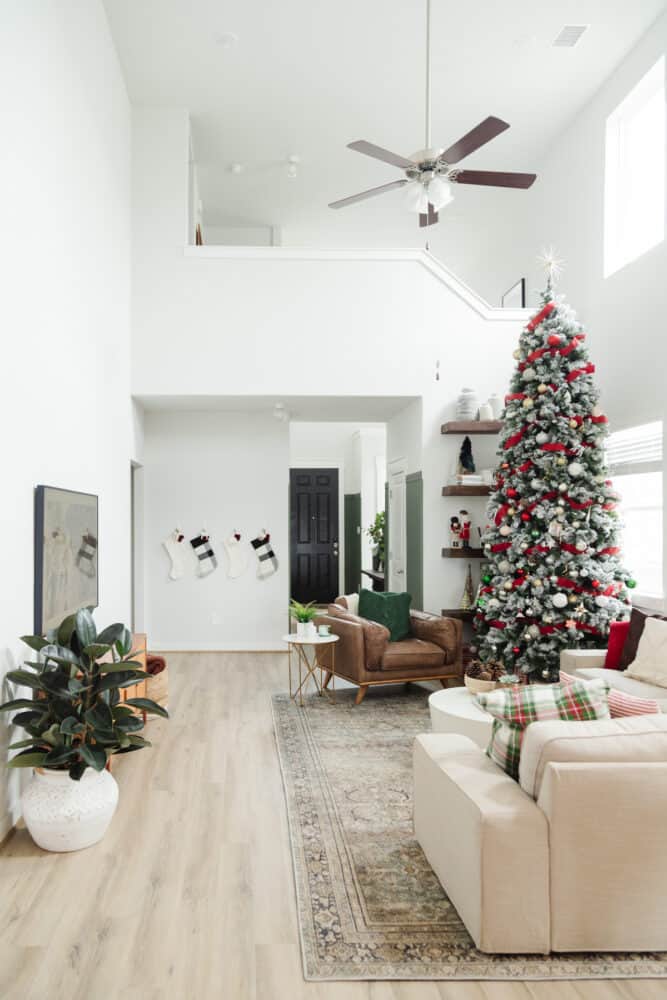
66	554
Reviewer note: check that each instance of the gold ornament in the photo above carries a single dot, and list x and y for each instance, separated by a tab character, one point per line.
573	423
528	403
542	387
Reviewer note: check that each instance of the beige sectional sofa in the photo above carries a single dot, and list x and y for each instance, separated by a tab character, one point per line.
572	858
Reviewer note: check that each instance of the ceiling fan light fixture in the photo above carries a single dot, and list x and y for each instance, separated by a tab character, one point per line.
416	198
440	193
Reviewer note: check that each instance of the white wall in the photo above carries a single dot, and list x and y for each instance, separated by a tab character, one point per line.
624	314
217	471
64	309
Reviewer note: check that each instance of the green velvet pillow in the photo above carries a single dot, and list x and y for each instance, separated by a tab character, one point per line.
390	610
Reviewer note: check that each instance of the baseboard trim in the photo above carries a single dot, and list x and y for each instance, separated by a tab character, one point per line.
237	647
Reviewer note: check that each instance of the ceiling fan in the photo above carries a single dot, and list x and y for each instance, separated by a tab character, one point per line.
429	173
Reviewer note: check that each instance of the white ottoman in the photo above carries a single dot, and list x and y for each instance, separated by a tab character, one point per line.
454	711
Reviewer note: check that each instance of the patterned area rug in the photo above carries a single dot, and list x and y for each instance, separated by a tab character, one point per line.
369	905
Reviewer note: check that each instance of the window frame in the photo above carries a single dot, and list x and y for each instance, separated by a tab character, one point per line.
618	251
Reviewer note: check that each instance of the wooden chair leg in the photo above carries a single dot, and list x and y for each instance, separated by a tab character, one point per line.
327	678
361	694
443	682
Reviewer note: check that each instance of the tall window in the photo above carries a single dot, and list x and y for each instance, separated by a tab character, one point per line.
635	462
634	217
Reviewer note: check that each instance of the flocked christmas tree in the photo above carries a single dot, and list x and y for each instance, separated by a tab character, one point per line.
554	578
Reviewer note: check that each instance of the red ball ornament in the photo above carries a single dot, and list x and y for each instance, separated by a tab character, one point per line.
553	339
525	516
511	492
505	465
516	650
595	584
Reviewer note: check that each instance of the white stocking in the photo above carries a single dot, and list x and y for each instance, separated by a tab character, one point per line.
173	545
237	555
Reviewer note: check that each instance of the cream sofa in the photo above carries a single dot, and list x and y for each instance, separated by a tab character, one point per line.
589	663
571	859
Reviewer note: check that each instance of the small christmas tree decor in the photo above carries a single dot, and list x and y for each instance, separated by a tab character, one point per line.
554	579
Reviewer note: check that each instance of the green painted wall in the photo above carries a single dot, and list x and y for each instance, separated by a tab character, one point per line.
352	530
414	538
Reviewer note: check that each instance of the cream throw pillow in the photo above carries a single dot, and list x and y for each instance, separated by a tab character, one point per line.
352	603
650	663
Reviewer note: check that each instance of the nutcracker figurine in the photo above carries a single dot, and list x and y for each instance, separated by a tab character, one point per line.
455	532
465	529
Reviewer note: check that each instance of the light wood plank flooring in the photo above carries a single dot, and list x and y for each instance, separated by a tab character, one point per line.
191	892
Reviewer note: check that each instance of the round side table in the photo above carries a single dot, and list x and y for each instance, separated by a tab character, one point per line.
455	711
299	645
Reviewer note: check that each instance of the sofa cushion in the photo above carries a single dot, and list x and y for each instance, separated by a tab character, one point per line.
637	739
650	663
514	709
618	633
435	629
376	636
637	622
349	601
389	609
622	704
412	654
619	679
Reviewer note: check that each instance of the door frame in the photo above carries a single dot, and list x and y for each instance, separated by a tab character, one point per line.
396	476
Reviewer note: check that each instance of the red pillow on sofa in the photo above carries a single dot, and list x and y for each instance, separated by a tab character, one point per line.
618	633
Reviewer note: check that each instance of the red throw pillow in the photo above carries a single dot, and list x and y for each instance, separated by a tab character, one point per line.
618	633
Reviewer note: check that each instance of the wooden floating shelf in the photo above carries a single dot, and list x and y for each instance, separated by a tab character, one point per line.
472	427
464	614
462	553
466	491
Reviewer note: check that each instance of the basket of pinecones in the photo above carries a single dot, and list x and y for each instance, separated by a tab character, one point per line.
481	677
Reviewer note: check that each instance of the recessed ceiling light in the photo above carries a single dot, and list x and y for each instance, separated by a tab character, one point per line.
236	168
226	39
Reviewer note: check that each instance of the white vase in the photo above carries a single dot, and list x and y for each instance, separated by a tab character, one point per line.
302	629
486	411
466	405
496	405
66	815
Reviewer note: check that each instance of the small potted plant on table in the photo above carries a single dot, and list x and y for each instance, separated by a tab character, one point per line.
303	614
74	723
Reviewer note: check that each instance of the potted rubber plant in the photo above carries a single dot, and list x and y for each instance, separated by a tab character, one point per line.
303	614
74	723
376	532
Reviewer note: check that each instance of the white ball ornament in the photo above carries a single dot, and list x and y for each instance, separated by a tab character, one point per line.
542	438
596	411
508	585
505	530
542	387
580	546
559	600
575	468
504	566
534	631
536	484
562	487
516	354
528	374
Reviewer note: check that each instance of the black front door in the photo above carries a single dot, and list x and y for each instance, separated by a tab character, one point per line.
314	534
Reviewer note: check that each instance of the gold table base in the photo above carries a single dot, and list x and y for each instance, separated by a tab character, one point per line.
308	668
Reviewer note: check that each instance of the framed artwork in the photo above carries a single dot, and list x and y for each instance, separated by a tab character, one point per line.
515	297
66	555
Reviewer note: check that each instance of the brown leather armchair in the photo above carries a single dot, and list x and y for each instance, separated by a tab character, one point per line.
364	655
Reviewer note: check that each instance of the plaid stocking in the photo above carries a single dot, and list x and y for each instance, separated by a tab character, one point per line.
85	557
267	562
205	555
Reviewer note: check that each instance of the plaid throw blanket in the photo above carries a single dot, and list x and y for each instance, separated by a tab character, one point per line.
513	709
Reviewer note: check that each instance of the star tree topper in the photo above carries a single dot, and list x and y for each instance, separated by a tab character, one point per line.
552	264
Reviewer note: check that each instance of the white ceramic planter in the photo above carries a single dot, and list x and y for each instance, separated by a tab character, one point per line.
66	815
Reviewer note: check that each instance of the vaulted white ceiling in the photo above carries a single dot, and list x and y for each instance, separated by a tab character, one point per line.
309	76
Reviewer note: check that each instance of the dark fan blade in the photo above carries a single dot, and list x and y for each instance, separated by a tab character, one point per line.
494	178
481	134
430	219
368	194
378	153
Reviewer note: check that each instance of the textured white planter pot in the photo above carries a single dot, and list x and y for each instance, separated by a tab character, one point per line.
66	815
302	629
